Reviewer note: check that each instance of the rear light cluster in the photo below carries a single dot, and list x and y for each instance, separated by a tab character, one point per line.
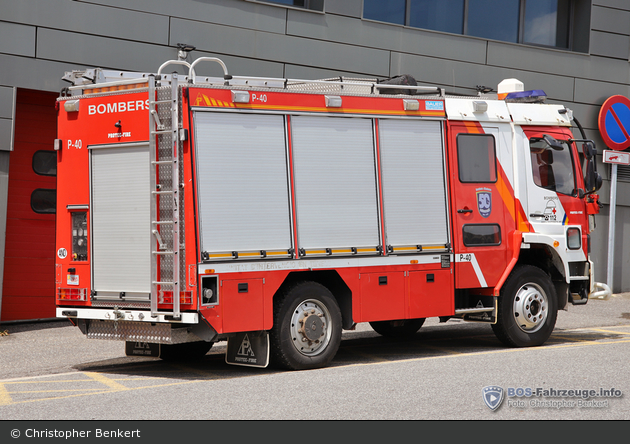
72	294
166	297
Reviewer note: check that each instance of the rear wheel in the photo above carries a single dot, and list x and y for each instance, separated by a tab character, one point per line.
184	352
307	327
397	329
528	308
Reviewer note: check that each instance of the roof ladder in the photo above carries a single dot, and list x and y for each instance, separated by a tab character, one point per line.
165	199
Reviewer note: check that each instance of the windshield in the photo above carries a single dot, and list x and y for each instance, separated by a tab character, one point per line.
552	168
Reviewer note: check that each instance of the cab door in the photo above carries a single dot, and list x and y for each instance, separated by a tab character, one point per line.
478	208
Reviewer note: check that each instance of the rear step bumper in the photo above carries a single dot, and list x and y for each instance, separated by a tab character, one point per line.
114	314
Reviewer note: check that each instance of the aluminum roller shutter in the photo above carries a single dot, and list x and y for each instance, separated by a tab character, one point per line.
121	220
412	174
335	182
242	182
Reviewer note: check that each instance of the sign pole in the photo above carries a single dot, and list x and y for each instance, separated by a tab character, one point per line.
614	126
611	224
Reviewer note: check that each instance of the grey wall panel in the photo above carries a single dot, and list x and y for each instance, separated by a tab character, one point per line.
619	4
351	8
450	73
31	73
610	20
99	51
591	91
17	39
621	258
88	18
6	102
96	51
6	134
313	73
4	197
280	48
519	57
610	45
385	36
246	15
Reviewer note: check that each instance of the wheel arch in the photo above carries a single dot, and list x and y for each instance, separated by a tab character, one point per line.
329	279
548	260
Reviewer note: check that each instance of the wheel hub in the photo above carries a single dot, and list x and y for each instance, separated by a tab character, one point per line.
312	327
530	308
309	327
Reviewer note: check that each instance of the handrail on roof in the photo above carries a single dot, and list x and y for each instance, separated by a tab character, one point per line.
191	72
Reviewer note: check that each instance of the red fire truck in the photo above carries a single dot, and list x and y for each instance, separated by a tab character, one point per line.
275	213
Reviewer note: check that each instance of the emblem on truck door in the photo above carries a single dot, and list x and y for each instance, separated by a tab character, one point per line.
484	202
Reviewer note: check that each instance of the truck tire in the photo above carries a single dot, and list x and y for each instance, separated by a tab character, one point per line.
397	329
528	308
306	329
184	352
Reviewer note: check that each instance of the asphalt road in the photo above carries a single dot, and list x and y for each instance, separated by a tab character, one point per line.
50	371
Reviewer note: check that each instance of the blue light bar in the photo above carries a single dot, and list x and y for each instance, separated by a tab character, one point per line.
533	96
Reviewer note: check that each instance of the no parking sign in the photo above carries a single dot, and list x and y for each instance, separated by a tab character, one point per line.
614	127
614	122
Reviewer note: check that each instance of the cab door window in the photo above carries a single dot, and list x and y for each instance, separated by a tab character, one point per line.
552	167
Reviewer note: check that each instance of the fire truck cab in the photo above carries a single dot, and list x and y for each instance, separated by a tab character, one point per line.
275	213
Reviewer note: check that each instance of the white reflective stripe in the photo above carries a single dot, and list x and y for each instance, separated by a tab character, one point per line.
470	257
478	272
312	264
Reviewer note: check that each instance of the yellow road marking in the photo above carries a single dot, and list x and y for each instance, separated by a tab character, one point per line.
5	397
107	381
612	331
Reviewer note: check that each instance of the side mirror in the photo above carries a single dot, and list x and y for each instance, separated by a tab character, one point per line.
589	150
592	179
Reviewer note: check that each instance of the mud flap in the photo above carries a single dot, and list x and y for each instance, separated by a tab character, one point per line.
250	349
142	349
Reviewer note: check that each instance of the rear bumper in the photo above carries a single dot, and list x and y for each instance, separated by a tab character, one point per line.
113	314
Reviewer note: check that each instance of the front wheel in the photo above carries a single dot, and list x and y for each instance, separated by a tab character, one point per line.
528	308
307	327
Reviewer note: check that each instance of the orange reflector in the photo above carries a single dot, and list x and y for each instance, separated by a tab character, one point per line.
556	244
166	297
209	271
72	294
116	88
414	261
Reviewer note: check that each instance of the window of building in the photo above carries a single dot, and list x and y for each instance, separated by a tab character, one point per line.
553	23
44	201
45	163
315	5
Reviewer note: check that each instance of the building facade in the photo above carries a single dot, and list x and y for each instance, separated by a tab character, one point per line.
577	51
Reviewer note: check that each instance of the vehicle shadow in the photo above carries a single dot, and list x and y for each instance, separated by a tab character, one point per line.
357	348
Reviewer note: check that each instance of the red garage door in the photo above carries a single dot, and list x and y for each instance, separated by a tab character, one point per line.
28	284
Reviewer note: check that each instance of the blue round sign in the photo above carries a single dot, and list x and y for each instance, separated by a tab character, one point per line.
614	122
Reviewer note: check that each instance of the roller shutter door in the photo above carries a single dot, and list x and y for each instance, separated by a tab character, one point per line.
121	223
242	182
412	173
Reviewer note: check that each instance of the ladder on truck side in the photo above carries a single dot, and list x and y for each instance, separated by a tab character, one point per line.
166	224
